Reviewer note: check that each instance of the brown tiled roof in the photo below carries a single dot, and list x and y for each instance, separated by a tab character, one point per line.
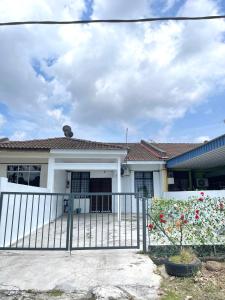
138	152
143	151
58	143
174	149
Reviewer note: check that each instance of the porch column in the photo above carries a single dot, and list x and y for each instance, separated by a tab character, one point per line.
119	187
164	179
50	179
119	175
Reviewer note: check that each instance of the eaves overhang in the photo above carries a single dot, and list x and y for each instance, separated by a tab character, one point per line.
208	155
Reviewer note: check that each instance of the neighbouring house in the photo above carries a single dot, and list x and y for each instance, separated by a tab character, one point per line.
65	165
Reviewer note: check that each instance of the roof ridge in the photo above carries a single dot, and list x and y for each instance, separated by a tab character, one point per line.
53	143
97	142
177	143
152	151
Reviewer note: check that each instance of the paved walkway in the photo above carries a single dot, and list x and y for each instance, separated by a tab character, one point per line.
89	230
108	274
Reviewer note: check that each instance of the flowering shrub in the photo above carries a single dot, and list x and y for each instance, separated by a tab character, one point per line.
198	221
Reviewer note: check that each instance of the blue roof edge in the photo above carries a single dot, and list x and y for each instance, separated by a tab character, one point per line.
207	147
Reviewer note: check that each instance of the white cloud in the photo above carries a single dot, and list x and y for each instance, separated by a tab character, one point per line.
202	139
121	9
108	76
18	136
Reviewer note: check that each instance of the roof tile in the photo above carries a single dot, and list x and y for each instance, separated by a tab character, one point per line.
58	143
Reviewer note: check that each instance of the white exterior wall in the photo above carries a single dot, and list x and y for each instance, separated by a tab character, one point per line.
185	195
21	203
155	168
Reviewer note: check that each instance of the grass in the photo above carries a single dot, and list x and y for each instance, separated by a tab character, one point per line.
206	285
171	296
55	293
186	256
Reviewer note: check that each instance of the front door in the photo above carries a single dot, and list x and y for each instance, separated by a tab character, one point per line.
101	203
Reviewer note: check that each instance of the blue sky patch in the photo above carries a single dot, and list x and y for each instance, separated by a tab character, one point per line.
37	66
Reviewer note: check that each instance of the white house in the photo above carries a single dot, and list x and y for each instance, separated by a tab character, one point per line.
31	171
64	165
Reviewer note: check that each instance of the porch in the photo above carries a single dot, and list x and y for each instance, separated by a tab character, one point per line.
202	168
86	171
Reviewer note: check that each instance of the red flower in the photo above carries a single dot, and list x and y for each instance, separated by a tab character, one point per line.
202	193
196	217
221	206
162	221
197	211
161	216
200	199
185	221
150	226
182	217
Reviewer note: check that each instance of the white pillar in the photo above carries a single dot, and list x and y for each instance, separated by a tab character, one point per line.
132	182
119	187
50	180
119	175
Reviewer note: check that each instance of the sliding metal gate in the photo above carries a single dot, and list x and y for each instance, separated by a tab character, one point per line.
51	221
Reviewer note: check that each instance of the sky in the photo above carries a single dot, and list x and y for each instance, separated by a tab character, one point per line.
164	81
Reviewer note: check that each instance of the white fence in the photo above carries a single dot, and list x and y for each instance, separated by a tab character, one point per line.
185	195
19	213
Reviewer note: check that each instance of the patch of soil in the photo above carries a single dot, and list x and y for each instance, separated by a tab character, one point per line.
206	285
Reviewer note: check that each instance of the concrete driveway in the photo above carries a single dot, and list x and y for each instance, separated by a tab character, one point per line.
89	230
101	274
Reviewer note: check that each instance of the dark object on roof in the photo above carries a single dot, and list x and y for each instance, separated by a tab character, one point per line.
67	131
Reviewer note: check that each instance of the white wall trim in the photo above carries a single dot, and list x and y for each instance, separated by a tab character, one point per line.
85	166
147	162
87	153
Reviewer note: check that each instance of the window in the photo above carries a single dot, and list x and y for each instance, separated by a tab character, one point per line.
143	182
181	181
80	182
24	174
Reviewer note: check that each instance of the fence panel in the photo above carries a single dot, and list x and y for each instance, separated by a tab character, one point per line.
111	222
33	221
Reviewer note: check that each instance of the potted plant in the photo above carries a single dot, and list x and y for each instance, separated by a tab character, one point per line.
186	223
184	264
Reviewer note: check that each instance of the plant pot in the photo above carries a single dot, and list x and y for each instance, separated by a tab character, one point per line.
182	270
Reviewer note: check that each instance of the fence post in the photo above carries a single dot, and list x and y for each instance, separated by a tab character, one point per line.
69	233
144	223
1	202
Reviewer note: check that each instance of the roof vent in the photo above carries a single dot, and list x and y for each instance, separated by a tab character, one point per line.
67	131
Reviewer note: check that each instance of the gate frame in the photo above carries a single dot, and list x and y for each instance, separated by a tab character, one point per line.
69	220
71	209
